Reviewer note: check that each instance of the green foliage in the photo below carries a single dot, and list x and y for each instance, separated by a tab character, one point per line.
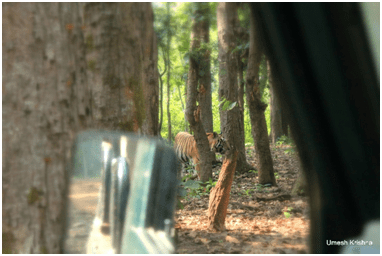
226	105
192	184
290	151
246	192
259	187
194	188
253	171
284	140
241	47
197	188
288	213
243	14
210	184
175	19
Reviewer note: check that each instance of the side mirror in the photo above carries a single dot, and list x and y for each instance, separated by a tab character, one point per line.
137	182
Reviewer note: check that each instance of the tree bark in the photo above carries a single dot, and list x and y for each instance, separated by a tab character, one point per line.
193	112
149	74
169	36
243	38
228	87
241	134
161	93
205	98
182	104
284	122
219	196
115	70
300	187
257	108
160	103
186	124
276	121
264	78
46	100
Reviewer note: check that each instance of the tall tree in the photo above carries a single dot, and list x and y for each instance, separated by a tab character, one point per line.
241	53
149	74
161	100
205	100
183	107
257	108
219	196
228	86
46	100
116	57
284	123
168	63
279	123
275	109
193	112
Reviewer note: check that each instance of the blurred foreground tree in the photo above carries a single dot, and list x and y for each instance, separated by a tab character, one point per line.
46	100
122	56
51	90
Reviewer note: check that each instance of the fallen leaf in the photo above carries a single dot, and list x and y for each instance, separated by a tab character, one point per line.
232	239
205	240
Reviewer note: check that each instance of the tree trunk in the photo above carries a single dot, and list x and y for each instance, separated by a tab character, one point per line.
150	70
161	94
46	100
219	196
242	36
257	108
116	71
264	72
186	124
168	100
169	36
182	104
276	121
185	96
205	98
228	87
300	187
284	123
193	112
241	112
160	104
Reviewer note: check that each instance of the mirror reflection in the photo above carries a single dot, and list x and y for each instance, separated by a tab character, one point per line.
122	194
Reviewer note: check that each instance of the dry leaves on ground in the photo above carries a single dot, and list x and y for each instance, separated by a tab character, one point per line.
259	219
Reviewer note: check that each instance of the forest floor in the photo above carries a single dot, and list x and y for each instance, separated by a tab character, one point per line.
255	221
259	219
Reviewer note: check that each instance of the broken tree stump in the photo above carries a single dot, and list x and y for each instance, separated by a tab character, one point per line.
219	196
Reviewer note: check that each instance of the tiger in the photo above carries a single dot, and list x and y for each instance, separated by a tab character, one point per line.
186	150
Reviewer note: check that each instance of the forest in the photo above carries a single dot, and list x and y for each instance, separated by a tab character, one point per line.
153	69
175	39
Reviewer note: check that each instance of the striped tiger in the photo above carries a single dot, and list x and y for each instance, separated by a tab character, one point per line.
186	150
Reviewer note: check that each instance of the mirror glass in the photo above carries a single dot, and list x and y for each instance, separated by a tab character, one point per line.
108	171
